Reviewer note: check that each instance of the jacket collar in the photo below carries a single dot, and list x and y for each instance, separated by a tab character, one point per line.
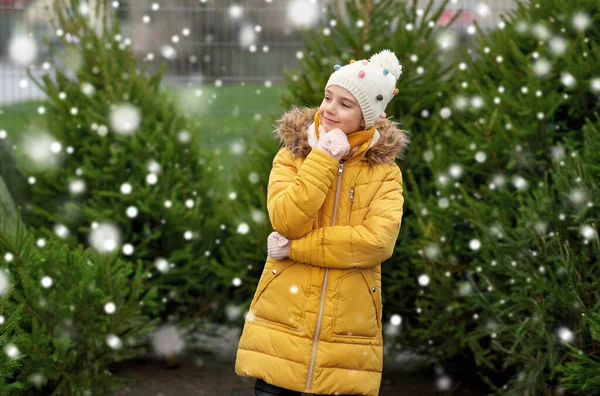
296	131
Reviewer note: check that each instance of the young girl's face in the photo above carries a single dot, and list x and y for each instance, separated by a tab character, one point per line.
339	109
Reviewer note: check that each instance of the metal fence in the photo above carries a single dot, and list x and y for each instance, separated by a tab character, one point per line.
200	40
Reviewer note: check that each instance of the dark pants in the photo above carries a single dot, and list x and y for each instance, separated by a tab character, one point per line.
264	389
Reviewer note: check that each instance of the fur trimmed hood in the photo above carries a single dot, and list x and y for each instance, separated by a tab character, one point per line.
295	130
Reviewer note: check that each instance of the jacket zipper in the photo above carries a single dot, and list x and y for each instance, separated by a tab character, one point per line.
314	351
351	202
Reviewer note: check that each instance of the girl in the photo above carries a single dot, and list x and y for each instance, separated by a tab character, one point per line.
335	202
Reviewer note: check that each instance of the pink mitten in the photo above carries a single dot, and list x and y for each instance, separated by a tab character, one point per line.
277	246
335	142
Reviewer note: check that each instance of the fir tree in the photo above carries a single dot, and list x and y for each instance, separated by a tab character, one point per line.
123	170
66	315
504	237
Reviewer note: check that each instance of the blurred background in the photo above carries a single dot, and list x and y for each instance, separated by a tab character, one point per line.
231	41
222	57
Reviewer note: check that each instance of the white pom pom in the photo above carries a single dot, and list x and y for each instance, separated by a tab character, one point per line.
387	60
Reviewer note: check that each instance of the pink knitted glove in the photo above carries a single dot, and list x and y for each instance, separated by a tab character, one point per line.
278	246
335	142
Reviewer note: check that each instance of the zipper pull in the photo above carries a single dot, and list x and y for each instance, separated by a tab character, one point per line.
341	168
352	194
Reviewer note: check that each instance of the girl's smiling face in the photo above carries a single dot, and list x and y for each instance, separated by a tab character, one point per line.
339	109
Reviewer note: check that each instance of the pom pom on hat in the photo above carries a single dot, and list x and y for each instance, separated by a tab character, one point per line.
388	61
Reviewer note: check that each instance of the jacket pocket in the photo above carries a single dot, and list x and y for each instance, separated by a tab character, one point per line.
282	292
374	280
356	311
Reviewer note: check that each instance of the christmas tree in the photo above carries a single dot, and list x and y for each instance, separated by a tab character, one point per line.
503	242
117	166
65	315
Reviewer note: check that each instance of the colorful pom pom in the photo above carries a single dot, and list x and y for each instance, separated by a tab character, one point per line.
365	62
386	72
361	73
337	67
352	61
396	91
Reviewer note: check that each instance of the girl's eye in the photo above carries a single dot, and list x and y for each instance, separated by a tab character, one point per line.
345	105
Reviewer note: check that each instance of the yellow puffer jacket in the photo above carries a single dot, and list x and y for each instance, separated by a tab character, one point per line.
314	324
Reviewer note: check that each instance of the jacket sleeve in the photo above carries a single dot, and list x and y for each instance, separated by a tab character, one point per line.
295	195
361	246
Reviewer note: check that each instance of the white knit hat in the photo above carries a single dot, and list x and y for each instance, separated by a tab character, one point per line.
372	82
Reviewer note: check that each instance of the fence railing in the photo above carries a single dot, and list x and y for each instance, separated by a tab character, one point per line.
200	40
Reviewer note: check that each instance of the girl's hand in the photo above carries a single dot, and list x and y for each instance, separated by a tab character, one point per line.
277	246
335	142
